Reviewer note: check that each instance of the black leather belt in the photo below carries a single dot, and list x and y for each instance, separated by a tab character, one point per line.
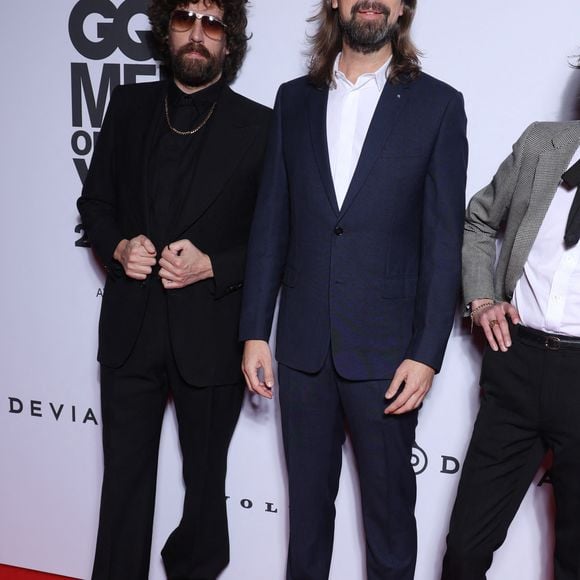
547	340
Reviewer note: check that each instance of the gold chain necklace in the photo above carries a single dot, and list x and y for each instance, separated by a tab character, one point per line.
193	131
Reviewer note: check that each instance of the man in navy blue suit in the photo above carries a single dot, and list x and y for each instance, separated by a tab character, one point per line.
359	219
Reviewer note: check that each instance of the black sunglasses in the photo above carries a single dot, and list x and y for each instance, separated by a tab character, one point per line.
183	21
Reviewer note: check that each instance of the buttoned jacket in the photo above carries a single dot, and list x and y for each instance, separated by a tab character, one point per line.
377	280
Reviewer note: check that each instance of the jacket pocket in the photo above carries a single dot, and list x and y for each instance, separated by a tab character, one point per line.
400	287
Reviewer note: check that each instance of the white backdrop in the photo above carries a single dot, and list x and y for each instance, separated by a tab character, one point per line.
509	60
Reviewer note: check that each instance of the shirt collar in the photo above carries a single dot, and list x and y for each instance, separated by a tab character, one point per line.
379	76
200	99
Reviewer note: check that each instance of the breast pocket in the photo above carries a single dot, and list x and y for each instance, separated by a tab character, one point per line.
396	156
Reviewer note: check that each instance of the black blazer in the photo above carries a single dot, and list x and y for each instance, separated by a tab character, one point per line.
203	317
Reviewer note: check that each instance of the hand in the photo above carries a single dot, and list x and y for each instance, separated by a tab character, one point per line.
257	356
494	323
137	256
183	264
416	378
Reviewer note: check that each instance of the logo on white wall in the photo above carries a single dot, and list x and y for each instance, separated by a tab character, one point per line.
58	412
449	464
247	504
419	460
97	30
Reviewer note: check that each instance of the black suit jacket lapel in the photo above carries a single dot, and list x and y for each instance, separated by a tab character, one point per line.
387	114
317	104
226	142
145	137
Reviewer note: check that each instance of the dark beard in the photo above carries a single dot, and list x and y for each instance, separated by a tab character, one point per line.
195	72
367	37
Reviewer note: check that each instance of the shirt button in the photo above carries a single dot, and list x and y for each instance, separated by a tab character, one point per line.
338	231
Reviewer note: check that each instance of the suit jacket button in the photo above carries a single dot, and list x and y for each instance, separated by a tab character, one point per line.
338	231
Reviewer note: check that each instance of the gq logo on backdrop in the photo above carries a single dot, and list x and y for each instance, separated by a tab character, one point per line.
97	28
112	30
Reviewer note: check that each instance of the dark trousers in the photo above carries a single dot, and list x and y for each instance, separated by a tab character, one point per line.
133	399
530	403
314	408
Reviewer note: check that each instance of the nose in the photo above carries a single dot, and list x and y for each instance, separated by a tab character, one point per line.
196	33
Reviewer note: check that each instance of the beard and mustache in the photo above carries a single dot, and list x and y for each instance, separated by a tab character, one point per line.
199	71
371	36
361	36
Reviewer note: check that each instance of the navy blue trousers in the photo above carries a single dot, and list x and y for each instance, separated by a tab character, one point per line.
316	409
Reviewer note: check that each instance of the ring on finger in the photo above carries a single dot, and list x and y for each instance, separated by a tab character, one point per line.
493	323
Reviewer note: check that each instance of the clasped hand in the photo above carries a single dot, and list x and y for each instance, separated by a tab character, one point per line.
180	265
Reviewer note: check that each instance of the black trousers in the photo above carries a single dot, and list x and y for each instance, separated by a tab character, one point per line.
530	403
314	408
133	400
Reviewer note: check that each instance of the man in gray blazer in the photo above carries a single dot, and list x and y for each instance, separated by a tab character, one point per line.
528	306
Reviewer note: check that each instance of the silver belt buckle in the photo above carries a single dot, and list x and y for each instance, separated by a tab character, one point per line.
552	343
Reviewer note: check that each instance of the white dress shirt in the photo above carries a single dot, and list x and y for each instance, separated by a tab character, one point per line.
349	113
547	295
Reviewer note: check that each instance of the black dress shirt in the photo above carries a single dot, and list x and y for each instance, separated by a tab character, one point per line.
174	157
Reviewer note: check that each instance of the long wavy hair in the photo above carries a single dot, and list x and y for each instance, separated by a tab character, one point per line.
326	43
235	18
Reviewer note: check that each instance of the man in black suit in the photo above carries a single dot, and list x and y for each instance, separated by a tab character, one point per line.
167	205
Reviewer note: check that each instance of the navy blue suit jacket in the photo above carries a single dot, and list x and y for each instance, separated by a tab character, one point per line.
376	281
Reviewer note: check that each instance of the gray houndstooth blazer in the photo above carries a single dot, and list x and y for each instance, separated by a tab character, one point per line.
517	199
